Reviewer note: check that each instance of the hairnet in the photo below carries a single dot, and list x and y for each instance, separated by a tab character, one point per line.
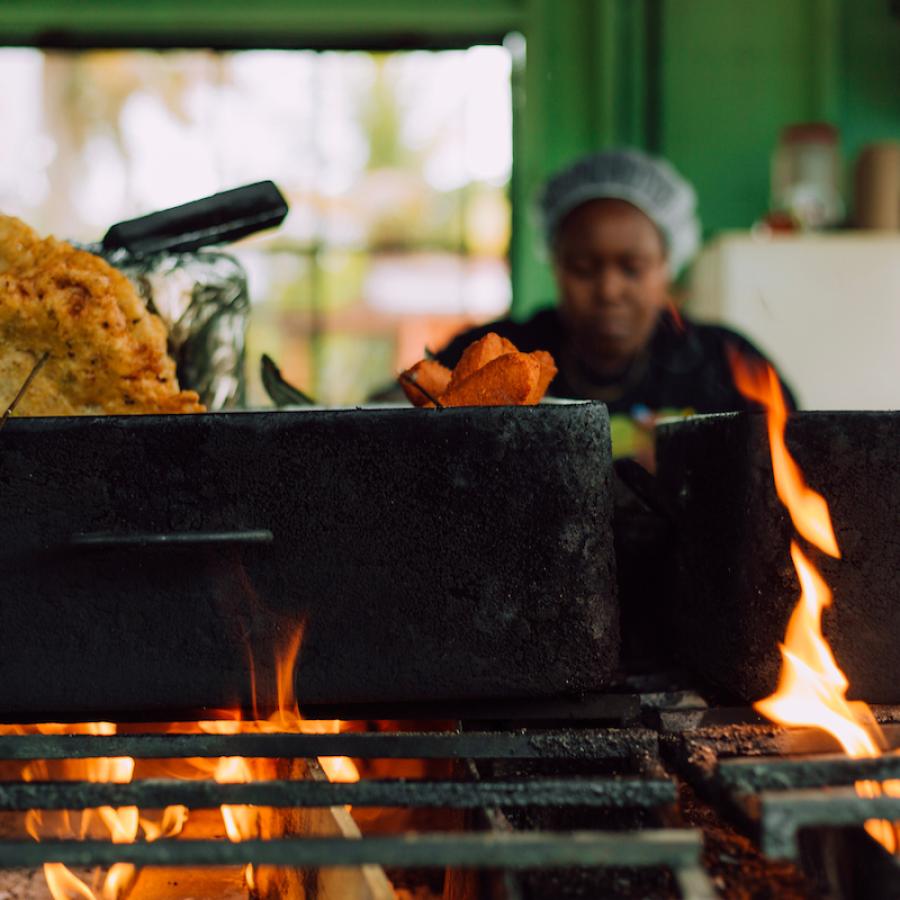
652	185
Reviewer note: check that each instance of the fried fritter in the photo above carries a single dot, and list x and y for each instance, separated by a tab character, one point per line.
107	351
507	380
478	354
548	373
430	375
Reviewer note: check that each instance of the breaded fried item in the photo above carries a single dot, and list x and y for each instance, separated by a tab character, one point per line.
107	352
548	373
507	380
431	376
479	354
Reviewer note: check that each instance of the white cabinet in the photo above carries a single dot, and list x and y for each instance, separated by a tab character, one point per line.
825	308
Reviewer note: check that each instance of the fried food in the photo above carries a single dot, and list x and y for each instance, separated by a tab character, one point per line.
508	380
107	351
548	373
431	376
491	372
478	354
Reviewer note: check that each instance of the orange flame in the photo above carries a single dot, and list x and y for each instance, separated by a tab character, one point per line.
812	689
124	824
245	822
808	510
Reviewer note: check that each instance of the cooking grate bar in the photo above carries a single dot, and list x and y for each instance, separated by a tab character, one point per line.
158	793
784	813
586	744
586	709
751	775
673	848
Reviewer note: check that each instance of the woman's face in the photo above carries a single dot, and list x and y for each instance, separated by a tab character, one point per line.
610	266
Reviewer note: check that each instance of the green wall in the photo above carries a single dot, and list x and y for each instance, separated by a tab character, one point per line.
709	83
733	74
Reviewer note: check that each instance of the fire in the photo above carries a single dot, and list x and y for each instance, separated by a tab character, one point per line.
245	822
124	825
121	825
812	689
808	510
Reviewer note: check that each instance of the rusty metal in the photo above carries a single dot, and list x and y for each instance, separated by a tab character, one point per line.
784	813
752	775
609	793
662	847
591	744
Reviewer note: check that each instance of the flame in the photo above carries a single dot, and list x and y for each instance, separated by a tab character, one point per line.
808	510
246	822
812	689
123	825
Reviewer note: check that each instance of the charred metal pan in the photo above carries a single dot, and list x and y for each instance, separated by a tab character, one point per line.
428	554
733	586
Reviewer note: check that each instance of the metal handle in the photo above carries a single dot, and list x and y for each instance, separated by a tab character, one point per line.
219	219
101	539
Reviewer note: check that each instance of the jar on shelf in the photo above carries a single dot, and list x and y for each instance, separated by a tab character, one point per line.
806	175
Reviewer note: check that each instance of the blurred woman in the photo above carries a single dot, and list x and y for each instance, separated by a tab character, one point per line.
620	226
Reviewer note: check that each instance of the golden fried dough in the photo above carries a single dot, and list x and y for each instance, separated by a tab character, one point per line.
508	380
431	376
548	373
479	354
107	352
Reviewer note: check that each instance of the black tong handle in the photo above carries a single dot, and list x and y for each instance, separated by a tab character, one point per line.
218	219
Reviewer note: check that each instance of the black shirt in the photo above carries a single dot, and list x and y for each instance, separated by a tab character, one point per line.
684	370
685	366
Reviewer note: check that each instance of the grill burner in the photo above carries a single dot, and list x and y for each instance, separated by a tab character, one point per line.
172	546
651	793
734	584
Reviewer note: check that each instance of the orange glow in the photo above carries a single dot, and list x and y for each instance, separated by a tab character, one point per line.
245	822
121	825
676	315
812	689
287	717
757	381
124	824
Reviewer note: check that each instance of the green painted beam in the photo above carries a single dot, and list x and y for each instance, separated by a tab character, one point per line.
232	23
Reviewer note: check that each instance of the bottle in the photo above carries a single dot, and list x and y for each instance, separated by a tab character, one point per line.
876	200
806	175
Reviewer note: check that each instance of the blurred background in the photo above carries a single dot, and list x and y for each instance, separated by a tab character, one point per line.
409	137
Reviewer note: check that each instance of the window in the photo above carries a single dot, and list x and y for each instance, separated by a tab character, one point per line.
396	167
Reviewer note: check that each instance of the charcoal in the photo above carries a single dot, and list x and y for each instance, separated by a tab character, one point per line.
734	585
427	554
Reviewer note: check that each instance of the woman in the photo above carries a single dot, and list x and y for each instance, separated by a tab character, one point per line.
620	226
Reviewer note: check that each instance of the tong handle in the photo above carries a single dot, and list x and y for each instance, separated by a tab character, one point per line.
218	219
